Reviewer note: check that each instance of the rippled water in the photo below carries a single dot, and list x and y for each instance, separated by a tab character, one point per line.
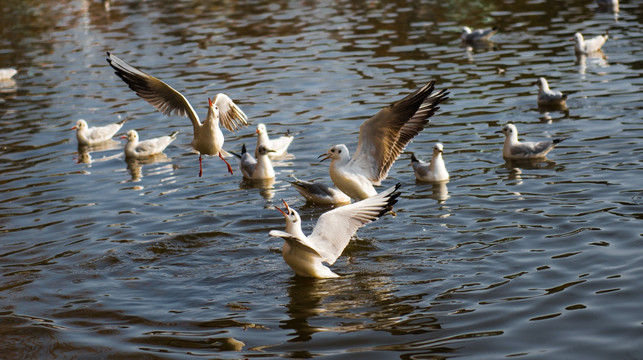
101	258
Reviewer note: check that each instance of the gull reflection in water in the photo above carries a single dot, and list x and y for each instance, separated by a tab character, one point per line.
265	186
439	191
135	166
84	154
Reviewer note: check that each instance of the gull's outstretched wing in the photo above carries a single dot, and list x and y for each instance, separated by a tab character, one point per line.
335	228
230	116
385	135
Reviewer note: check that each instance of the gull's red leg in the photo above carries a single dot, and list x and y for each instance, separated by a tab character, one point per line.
224	160
200	166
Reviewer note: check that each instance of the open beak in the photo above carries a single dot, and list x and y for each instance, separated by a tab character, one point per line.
287	208
324	157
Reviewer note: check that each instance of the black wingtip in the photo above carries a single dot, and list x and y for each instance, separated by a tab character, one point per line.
558	141
243	149
413	158
392	200
495	28
174	133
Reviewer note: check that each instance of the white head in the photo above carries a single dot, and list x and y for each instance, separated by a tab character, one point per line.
510	131
213	110
437	149
261	129
337	152
466	30
578	39
80	125
132	136
293	221
542	83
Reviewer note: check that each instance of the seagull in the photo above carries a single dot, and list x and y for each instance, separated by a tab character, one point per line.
546	96
279	146
469	35
514	149
435	171
90	136
318	193
334	229
7	73
259	169
138	149
208	138
588	46
381	140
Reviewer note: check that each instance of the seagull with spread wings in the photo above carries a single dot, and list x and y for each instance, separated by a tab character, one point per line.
332	233
382	138
208	138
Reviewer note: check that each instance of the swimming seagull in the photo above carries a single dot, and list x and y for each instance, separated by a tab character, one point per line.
514	149
7	73
90	136
138	149
319	193
435	171
208	138
279	145
588	46
259	169
469	35
381	140
334	229
546	96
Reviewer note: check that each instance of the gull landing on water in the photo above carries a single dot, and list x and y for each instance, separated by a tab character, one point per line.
514	149
279	145
208	138
548	97
433	172
135	149
334	229
90	136
381	140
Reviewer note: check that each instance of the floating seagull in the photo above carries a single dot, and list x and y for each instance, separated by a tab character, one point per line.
208	138
318	193
381	140
7	73
588	46
90	136
514	149
469	35
135	149
546	96
259	169
334	229
279	146
436	171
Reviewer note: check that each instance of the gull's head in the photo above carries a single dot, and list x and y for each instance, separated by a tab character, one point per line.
261	129
263	150
292	217
509	130
438	149
80	125
577	38
213	110
336	152
542	83
466	30
132	135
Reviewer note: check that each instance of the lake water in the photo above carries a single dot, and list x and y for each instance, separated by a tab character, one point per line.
101	259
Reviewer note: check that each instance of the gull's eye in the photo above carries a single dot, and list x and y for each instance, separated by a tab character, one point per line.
339	151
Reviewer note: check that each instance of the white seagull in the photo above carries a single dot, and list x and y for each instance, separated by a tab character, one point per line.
135	149
433	172
514	149
334	229
469	35
259	169
546	96
90	136
588	46
279	145
319	193
7	73
208	138
381	140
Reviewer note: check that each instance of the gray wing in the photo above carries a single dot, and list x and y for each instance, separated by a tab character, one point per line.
532	149
248	164
335	228
385	135
159	94
293	241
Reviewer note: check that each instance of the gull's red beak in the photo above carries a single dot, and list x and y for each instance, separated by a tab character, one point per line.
257	131
74	128
209	101
287	208
123	137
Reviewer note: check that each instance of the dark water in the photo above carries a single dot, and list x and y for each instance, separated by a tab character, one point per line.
101	259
